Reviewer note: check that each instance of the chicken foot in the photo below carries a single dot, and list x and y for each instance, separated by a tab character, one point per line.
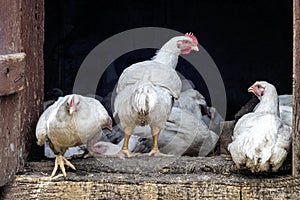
124	152
60	161
155	151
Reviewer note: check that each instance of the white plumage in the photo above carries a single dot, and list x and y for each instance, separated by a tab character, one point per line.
184	133
71	121
146	90
286	108
261	140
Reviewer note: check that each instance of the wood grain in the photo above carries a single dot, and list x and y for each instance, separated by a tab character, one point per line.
296	91
19	109
151	178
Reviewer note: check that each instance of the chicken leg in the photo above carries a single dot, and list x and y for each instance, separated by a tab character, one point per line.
60	161
124	151
155	134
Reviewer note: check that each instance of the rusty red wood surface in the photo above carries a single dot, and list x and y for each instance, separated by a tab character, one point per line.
21	30
12	73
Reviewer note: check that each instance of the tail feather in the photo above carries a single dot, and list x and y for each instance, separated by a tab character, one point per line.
143	100
140	101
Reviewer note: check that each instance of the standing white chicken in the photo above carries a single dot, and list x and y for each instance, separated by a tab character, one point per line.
146	90
184	133
260	139
71	121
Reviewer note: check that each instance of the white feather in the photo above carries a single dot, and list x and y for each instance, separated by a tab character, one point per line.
66	130
260	139
55	108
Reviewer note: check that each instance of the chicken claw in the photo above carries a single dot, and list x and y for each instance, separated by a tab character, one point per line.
157	153
154	151
124	153
61	161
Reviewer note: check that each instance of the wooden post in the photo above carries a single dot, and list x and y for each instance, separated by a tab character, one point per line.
32	36
21	80
296	89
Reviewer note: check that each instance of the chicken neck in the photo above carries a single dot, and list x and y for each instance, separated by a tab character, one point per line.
166	57
269	103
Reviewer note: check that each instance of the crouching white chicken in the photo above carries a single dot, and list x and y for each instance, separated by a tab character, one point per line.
261	140
146	90
71	121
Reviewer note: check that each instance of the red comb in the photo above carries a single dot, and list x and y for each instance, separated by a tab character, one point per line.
72	102
191	35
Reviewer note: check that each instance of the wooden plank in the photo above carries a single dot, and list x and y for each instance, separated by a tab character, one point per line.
296	91
144	178
8	139
296	9
23	32
12	73
10	32
9	106
32	36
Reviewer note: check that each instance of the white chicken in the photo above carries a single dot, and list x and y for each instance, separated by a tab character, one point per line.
71	121
261	140
192	101
146	90
185	132
286	108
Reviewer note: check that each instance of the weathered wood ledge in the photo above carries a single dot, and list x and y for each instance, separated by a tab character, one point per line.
151	178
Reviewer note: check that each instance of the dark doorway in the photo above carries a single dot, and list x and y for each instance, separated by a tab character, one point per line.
248	40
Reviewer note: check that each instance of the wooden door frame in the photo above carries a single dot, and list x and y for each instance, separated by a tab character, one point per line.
296	89
21	80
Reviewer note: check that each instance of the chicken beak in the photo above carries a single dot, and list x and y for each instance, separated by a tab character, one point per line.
195	48
71	110
250	89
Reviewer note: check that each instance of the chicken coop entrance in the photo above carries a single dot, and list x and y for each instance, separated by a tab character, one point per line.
248	41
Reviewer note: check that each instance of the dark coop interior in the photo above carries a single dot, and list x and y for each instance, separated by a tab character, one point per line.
248	40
